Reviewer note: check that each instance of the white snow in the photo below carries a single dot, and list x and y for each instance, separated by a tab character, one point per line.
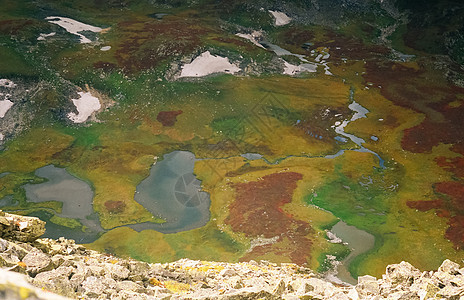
290	69
7	83
105	48
1	137
86	105
5	105
45	35
280	18
206	64
74	27
252	37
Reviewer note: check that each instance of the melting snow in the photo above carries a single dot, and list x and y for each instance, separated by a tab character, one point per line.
7	83
280	18
252	37
45	35
290	69
86	105
206	64
105	48
5	105
74	27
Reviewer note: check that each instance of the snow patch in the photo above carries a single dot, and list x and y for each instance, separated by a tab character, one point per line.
290	69
86	105
280	18
105	48
252	37
206	64
43	36
5	105
7	83
74	27
1	137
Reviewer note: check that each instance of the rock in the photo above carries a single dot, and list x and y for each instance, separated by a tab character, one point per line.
92	287
403	273
37	262
449	267
20	228
8	260
127	285
227	273
55	282
117	272
279	289
138	271
16	286
3	245
368	285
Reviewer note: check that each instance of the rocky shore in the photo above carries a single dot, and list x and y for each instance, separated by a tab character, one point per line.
33	268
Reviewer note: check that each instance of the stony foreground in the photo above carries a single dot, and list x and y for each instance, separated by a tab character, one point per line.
36	268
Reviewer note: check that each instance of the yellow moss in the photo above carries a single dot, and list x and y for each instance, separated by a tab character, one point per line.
177	287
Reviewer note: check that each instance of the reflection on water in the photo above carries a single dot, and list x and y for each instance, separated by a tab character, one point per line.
76	196
173	193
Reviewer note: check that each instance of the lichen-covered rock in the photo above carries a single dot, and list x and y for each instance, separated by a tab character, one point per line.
55	282
20	228
16	286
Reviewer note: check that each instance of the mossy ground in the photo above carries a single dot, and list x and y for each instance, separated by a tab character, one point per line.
286	119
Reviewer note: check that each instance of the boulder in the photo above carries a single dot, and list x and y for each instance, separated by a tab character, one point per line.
37	262
20	228
16	286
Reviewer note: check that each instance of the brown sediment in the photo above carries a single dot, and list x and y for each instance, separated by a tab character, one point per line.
343	46
454	165
257	212
429	133
455	232
115	206
168	118
425	205
455	191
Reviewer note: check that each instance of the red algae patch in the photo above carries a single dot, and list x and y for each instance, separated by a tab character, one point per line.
455	232
168	118
425	205
257	212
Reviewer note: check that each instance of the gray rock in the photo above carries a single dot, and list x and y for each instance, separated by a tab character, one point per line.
402	273
127	285
117	272
227	273
37	262
52	281
368	285
76	281
449	267
139	271
3	245
92	287
8	260
16	286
